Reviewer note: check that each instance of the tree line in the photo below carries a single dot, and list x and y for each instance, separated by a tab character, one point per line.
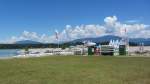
62	45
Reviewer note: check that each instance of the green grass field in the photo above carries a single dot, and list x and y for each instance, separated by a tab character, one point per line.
75	70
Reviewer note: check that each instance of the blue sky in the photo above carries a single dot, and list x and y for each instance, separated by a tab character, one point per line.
44	16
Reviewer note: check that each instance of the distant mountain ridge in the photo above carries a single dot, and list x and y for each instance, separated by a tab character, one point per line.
146	41
99	39
27	42
106	38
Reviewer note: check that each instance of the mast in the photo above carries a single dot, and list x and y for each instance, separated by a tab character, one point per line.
57	37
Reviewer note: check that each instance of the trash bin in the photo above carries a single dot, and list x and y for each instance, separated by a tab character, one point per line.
90	51
122	49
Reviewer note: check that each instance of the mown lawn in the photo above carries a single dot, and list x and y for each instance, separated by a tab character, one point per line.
75	70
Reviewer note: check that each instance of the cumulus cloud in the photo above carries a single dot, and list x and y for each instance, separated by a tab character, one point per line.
111	26
110	21
26	35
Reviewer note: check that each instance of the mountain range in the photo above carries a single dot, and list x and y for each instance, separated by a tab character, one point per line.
27	42
106	38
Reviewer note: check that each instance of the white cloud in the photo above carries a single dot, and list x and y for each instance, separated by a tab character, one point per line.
111	26
32	36
143	33
110	21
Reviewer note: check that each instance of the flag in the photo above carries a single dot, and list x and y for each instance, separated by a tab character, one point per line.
125	30
56	34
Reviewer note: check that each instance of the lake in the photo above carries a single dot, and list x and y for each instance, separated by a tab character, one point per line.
8	52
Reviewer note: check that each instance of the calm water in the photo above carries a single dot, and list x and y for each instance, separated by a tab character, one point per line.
8	52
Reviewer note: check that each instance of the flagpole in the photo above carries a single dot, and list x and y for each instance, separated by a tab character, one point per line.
127	41
58	42
57	37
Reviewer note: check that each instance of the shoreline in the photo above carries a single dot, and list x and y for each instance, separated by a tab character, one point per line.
31	56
